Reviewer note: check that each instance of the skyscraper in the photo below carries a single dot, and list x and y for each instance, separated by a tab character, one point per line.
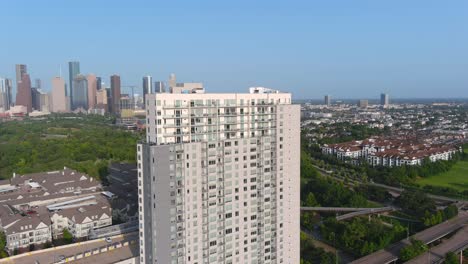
327	100
38	84
80	93
5	94
98	83
219	178
147	86
36	99
73	71
159	87
115	93
59	100
92	89
23	94
101	100
384	100
21	70
172	81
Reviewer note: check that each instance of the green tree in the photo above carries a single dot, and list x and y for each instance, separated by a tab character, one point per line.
67	236
451	258
3	253
413	250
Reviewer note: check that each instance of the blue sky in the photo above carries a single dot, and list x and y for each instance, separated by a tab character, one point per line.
349	49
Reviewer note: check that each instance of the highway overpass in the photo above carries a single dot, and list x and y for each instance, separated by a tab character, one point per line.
391	254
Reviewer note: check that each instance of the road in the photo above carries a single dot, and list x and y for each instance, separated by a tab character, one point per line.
436	254
429	235
112	256
48	256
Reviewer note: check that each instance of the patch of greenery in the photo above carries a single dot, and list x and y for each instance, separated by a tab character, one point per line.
67	236
310	254
413	250
451	258
360	236
456	177
86	143
3	253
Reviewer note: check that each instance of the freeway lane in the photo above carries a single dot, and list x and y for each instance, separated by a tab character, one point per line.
436	254
48	256
429	235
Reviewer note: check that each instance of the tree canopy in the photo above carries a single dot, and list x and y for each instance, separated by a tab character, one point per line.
84	143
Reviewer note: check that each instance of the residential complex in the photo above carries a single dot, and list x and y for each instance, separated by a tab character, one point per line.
34	208
218	177
380	151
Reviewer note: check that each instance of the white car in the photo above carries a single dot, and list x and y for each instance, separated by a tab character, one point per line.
108	240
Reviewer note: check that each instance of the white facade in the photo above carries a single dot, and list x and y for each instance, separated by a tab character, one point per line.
219	179
28	234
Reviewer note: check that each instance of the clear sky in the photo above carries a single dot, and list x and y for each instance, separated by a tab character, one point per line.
348	48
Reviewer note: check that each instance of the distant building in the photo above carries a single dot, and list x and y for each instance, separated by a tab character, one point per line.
59	99
23	94
36	99
73	71
38	84
127	108
44	102
80	93
98	83
5	94
109	100
101	100
147	86
363	103
21	70
178	88
172	81
115	96
384	100
327	100
92	89
159	87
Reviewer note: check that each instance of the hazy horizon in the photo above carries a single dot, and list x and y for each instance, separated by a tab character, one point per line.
358	49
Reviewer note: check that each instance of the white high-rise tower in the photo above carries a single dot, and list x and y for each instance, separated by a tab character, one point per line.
219	178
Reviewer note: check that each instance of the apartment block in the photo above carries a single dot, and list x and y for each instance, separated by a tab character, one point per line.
36	207
218	178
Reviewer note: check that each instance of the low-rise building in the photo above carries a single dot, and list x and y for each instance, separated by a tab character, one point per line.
36	207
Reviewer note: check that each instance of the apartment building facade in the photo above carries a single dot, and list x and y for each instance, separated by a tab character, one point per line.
219	178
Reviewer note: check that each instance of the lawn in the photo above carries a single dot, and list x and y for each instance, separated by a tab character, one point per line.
456	178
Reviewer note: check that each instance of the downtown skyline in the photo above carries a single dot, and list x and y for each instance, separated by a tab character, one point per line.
415	49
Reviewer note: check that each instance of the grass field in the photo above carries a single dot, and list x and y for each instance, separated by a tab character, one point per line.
456	178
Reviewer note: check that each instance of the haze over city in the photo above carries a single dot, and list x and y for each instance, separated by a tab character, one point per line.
234	132
349	49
